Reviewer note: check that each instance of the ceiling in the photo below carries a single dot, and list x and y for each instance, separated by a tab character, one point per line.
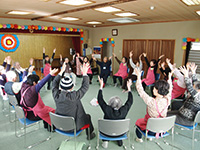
165	11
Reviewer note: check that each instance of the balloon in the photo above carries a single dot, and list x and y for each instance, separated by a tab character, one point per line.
101	42
45	28
39	27
22	27
67	29
26	27
113	45
12	26
32	27
112	42
54	28
184	44
19	27
15	26
59	29
101	45
183	47
112	39
4	26
36	27
197	40
193	40
8	26
105	39
1	26
82	38
188	39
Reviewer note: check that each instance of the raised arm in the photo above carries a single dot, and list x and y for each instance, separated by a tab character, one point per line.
8	63
116	58
52	57
43	53
131	61
146	60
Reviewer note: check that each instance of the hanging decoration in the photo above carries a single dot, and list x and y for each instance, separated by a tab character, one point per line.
185	40
9	43
32	28
107	39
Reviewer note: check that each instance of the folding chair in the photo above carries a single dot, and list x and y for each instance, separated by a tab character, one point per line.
118	128
12	103
3	99
26	123
161	126
193	128
64	124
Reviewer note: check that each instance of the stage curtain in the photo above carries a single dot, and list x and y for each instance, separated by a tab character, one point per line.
76	44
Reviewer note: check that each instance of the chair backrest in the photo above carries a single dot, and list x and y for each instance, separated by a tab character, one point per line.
42	70
142	73
197	117
113	127
13	100
19	112
63	123
157	77
159	125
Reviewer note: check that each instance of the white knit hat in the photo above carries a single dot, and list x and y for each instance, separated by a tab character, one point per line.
66	83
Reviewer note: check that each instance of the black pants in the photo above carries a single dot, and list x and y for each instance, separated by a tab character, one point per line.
90	123
151	89
119	142
90	77
115	79
132	77
105	77
49	82
139	134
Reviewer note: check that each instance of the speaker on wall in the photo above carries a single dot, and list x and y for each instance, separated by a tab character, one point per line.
85	45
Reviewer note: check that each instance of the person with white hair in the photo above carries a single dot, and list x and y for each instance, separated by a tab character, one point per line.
68	101
3	79
12	87
114	110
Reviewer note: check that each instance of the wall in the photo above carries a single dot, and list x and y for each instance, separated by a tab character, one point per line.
31	46
171	30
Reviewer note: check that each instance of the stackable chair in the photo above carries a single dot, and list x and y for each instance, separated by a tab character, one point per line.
64	124
26	123
12	103
119	128
159	125
191	128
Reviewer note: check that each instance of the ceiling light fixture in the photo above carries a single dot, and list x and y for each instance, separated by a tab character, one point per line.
94	22
19	12
152	7
191	2
108	9
123	20
198	12
70	18
75	2
126	14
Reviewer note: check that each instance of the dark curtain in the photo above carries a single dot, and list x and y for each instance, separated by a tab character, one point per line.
76	44
188	47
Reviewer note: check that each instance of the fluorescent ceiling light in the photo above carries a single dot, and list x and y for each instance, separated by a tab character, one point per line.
123	20
75	2
126	14
94	22
191	2
17	12
70	18
198	12
108	9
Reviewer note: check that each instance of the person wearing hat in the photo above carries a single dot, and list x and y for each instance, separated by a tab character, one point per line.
68	101
47	65
114	110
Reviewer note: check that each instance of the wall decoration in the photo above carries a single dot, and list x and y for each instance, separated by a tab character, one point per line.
31	28
9	43
107	39
185	40
114	32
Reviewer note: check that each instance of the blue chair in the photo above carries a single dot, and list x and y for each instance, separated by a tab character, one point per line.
65	123
159	125
119	128
142	74
193	128
26	123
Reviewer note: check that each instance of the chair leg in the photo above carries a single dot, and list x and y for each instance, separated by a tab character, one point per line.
89	146
193	135
97	147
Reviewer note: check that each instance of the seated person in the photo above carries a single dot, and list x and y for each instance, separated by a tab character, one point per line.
122	73
133	76
156	107
18	70
3	79
105	68
114	110
68	101
69	68
31	101
186	114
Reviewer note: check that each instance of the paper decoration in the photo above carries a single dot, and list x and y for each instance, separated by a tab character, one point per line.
107	39
185	40
9	43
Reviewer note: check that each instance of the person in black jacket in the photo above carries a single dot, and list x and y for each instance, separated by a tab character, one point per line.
105	68
114	110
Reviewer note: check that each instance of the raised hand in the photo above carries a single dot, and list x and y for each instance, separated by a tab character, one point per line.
163	65
101	82
85	68
63	68
140	56
60	57
131	54
129	83
114	54
8	60
184	70
161	56
31	61
54	50
168	60
43	50
110	57
193	68
145	54
52	72
78	55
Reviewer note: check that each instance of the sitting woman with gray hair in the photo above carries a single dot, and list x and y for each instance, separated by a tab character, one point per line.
114	110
